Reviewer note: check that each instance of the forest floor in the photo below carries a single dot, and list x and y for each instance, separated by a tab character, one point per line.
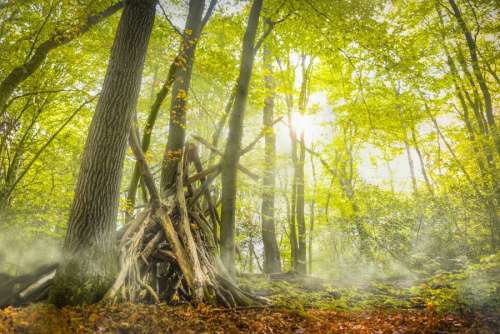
297	305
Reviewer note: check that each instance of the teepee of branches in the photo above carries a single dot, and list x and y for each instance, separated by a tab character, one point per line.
169	250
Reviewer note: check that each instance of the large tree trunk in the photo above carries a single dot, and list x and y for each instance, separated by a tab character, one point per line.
233	146
180	92
272	260
90	260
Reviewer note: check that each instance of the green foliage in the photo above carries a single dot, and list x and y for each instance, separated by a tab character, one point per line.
392	100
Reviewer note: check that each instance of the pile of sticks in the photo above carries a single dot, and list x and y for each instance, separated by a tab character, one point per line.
169	250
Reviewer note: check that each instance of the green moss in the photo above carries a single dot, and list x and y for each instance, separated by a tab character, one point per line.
82	280
475	288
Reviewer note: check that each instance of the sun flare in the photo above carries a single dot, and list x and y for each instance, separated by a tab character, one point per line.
305	124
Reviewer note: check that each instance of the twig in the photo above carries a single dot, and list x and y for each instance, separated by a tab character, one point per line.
177	30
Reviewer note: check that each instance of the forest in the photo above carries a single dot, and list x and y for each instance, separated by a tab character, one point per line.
249	166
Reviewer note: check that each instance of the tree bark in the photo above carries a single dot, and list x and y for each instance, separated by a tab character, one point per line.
233	146
89	261
272	260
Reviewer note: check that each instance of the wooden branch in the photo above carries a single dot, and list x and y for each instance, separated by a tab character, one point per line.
207	144
270	26
58	38
179	251
208	14
242	168
201	175
177	30
146	173
249	173
202	189
222	121
166	254
262	133
132	226
33	287
195	158
187	238
323	161
150	290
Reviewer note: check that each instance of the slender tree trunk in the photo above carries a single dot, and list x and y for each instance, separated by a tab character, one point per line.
233	146
180	91
293	200
299	170
474	101
272	260
90	260
250	255
301	220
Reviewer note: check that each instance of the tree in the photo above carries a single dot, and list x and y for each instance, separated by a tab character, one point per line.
233	146
180	91
272	259
179	76
90	264
299	169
